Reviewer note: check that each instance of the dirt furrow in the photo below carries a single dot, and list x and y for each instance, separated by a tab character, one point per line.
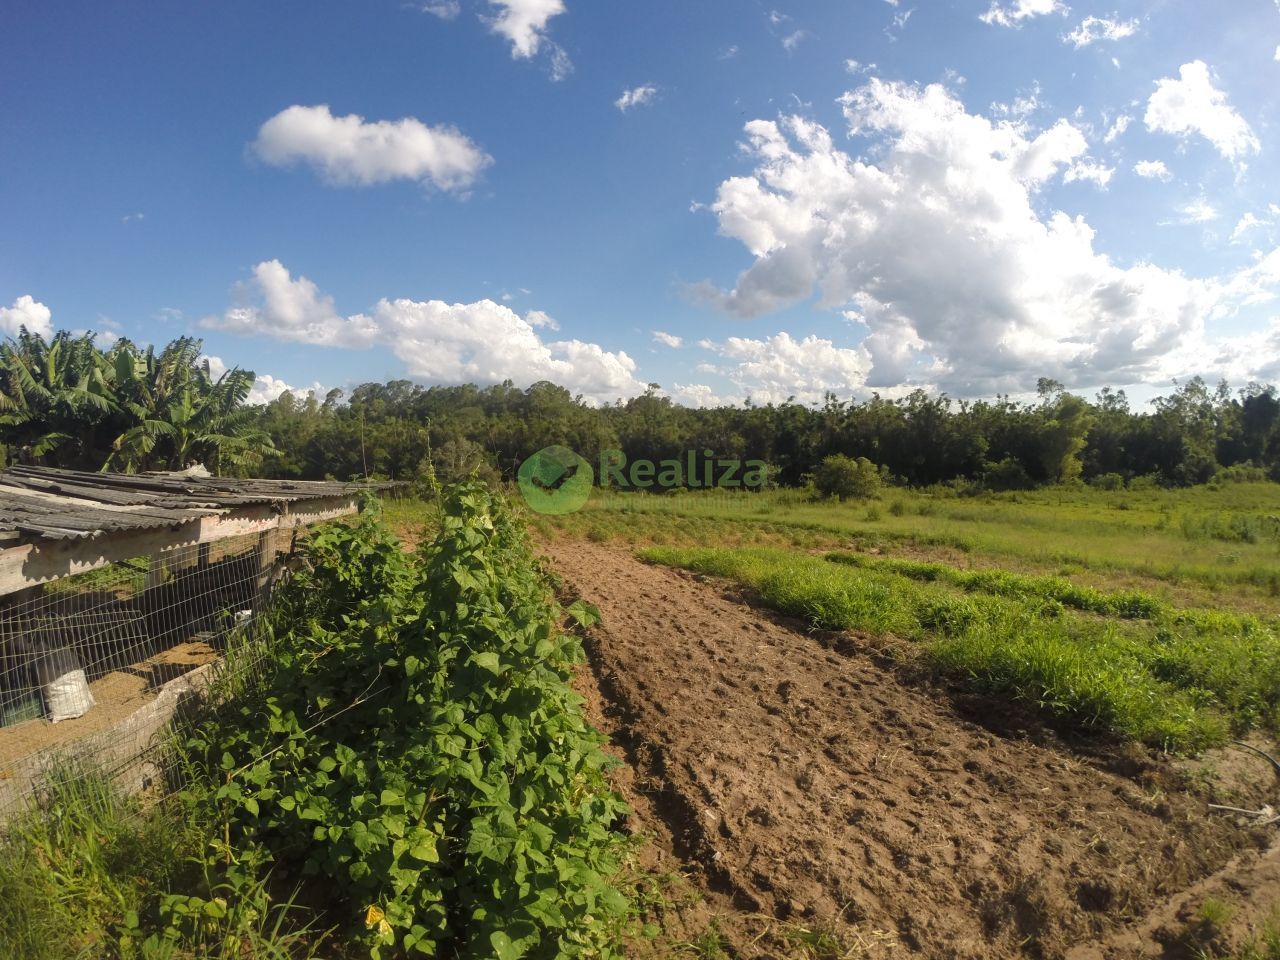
816	785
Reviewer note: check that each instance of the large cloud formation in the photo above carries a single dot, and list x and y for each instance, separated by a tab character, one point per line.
349	150
777	368
482	342
26	312
939	248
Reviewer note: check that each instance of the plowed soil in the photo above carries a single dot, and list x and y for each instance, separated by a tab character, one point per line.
809	783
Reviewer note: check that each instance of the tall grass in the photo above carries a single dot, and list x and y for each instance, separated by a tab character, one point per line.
92	873
1183	679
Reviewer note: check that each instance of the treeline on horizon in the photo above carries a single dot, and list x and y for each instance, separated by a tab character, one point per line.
68	403
395	429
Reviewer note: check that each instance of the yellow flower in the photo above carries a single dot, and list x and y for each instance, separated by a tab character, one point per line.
374	917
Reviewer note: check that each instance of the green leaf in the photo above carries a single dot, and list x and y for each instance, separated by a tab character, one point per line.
503	947
425	849
585	614
392	798
215	908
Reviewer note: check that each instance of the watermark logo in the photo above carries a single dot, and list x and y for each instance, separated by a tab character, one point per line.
697	469
555	480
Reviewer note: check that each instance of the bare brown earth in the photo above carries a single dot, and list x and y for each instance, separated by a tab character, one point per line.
808	784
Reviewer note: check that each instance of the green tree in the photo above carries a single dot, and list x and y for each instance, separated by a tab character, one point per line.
1064	436
175	414
66	403
846	478
54	397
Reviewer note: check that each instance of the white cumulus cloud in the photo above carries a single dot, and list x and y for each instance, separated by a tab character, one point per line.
481	342
266	388
349	150
1118	128
940	249
1199	210
667	339
695	395
444	9
524	23
773	369
1093	29
26	312
1246	223
792	40
1191	104
1096	173
1153	170
1013	14
274	304
636	97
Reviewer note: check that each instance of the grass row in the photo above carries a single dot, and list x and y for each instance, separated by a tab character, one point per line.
1129	604
1188	538
1180	681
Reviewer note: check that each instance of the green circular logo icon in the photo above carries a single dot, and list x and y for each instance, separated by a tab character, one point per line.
555	480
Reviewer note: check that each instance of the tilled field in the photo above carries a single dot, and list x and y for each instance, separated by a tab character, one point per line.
807	783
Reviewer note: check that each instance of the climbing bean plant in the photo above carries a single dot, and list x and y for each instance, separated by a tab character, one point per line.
418	757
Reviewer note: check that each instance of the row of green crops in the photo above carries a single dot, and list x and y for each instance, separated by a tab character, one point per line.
408	774
1183	679
419	754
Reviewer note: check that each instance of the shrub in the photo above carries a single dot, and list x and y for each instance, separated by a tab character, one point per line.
1007	474
1108	481
1241	473
458	459
1146	482
846	478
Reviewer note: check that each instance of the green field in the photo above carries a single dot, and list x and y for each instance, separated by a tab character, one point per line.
1204	545
414	775
1146	614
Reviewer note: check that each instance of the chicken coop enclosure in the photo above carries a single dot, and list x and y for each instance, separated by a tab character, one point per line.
118	594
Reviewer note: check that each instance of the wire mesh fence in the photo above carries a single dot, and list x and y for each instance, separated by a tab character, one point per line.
93	667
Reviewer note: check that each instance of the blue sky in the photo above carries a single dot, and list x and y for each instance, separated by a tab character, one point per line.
849	196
